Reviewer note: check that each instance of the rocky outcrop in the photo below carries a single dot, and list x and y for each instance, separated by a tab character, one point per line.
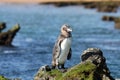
92	67
96	57
6	38
108	7
112	18
2	26
101	6
117	23
61	4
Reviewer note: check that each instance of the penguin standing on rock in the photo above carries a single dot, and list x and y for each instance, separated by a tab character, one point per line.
62	48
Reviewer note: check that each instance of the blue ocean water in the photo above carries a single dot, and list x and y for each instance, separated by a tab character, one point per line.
40	26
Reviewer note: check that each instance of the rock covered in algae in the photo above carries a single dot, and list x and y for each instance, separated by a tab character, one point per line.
92	67
3	78
95	56
6	38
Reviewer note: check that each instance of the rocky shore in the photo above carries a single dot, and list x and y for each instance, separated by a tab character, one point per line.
6	38
102	6
4	78
92	67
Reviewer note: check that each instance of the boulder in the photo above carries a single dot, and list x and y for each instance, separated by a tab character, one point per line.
95	56
108	18
6	38
92	67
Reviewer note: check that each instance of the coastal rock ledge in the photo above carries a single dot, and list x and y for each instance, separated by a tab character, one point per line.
92	67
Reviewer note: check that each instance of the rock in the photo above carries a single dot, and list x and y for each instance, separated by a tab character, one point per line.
45	68
117	23
108	18
90	4
112	18
95	56
61	4
108	7
2	26
6	38
4	78
92	67
103	6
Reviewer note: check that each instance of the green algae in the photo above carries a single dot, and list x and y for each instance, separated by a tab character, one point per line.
84	71
3	78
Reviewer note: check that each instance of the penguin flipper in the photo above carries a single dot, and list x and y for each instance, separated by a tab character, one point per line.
69	54
57	48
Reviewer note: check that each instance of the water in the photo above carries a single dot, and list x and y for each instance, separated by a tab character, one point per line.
40	26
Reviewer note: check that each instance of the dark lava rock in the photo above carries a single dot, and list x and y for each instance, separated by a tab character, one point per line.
95	56
6	38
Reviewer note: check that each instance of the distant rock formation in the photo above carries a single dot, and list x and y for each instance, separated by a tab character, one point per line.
6	38
92	67
112	18
102	6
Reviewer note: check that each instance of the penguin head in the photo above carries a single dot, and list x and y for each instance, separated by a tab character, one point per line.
66	28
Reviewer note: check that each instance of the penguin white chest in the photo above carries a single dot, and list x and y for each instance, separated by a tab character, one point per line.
65	47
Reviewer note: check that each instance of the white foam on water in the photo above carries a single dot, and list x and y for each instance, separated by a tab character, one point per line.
29	40
8	51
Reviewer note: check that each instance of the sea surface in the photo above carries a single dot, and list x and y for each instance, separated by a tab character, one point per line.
40	27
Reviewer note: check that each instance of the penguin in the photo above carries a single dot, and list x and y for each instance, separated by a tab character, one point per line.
62	49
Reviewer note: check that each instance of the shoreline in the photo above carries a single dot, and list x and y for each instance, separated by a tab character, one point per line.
52	1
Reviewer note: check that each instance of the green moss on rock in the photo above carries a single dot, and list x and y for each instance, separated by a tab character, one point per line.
3	78
83	71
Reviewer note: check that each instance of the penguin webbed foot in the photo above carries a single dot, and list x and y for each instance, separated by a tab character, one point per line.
61	68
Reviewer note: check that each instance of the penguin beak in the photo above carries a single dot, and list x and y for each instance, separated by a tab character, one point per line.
69	30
